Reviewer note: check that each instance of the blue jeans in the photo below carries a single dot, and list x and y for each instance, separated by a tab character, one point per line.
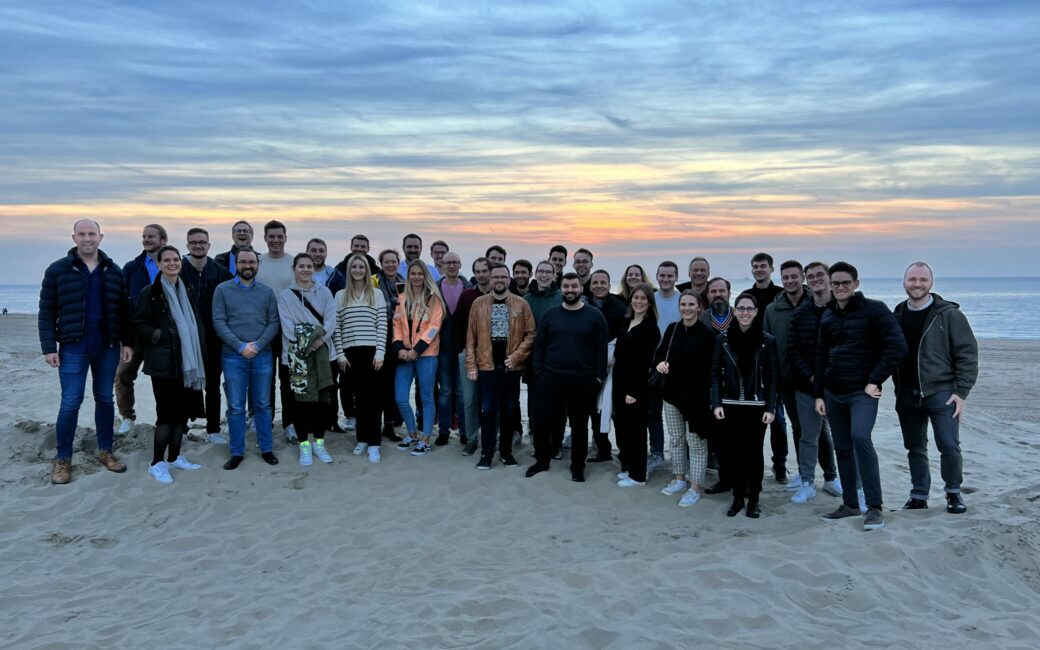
248	378
451	391
852	417
72	374
424	370
499	391
914	414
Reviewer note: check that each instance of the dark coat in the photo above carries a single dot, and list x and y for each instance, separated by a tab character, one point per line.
614	310
157	332
135	273
201	285
62	317
633	356
948	355
803	337
448	327
728	383
687	386
859	345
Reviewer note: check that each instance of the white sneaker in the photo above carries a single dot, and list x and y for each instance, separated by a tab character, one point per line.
216	439
160	472
794	484
373	454
654	463
690	498
622	475
184	463
862	501
125	427
360	448
350	424
322	453
628	482
290	435
675	487
804	493
305	454
833	488
250	425
567	442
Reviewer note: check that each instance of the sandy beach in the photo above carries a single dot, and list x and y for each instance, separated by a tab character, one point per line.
429	553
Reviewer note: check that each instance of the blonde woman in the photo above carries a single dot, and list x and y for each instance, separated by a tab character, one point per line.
633	277
417	328
360	340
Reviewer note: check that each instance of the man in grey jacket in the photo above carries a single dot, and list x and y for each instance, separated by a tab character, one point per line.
932	384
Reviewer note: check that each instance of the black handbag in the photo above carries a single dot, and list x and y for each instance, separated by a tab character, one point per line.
657	379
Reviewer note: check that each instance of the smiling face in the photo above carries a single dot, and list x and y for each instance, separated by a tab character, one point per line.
416	277
170	264
87	237
689	308
500	280
558	260
582	264
544	275
745	310
699	273
437	252
599	285
666	277
317	252
198	245
242	235
792	279
633	276
389	264
151	240
304	270
246	264
640	303
452	265
843	286
571	290
522	277
412	248
359	246
817	278
761	271
359	270
917	282
275	240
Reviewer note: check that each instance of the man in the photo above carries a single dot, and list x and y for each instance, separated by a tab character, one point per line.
469	417
201	275
83	320
570	364
138	273
764	291
796	346
241	238
500	336
861	345
543	294
452	286
583	267
245	316
932	384
275	271
495	254
699	271
335	280
318	250
558	258
359	245
718	315
615	312
521	282
437	251
666	298
411	244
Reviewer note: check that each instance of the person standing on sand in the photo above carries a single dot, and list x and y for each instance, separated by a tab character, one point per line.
630	391
241	239
84	318
932	383
276	271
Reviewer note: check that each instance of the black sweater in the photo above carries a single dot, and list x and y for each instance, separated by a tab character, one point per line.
688	384
860	344
571	342
633	354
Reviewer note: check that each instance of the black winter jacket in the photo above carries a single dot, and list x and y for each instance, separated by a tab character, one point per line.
948	357
62	317
859	345
687	386
803	338
614	310
157	332
633	354
729	383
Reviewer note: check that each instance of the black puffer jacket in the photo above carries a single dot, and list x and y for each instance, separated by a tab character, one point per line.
803	337
614	310
859	345
688	383
157	332
727	380
62	303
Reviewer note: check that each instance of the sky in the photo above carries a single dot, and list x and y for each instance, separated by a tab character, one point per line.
879	133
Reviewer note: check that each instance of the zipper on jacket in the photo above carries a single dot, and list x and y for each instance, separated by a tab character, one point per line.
920	382
740	379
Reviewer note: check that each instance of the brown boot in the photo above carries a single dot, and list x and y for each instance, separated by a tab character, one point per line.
62	473
111	463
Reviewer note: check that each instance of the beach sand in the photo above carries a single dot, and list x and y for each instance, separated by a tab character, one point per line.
429	553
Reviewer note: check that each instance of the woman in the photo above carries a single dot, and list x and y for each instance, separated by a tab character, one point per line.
166	324
390	283
307	312
360	340
684	359
634	276
417	326
615	312
633	354
743	397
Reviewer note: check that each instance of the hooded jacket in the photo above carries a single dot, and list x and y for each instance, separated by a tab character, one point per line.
948	356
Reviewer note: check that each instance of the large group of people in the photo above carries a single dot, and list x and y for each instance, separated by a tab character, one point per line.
368	337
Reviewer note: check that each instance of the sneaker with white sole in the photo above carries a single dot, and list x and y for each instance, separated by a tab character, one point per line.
407	443
126	426
794	484
360	448
421	449
373	454
804	493
216	439
322	453
862	501
306	457
832	488
184	463
290	435
629	482
160	472
350	424
873	519
622	475
690	498
654	463
675	487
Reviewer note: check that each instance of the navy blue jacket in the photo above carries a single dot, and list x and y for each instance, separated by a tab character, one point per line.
859	345
62	317
135	273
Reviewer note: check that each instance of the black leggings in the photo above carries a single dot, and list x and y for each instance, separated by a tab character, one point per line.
364	385
172	401
630	422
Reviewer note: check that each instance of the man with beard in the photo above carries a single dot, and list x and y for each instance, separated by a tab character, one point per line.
470	415
719	317
570	364
411	244
558	258
521	282
241	238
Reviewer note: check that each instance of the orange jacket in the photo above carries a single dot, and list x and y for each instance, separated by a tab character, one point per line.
478	335
423	336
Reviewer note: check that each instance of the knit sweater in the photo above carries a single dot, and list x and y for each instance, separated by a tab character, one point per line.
359	324
242	314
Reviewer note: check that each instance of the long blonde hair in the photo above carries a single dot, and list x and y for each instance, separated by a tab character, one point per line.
429	289
350	295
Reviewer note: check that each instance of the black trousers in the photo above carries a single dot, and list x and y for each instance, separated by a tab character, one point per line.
309	417
559	398
283	383
364	385
214	386
745	436
630	422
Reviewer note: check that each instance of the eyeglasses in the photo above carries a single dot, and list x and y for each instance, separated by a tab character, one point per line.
198	243
745	309
837	284
240	231
450	263
816	276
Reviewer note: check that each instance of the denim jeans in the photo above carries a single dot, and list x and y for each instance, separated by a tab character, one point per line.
914	414
72	374
852	417
499	391
469	416
814	442
451	391
248	378
424	370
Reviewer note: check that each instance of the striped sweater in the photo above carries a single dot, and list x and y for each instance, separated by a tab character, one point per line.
358	324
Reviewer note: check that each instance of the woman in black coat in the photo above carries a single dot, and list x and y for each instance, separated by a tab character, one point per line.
166	324
633	354
743	396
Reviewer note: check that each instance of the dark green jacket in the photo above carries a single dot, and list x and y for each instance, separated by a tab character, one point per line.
776	322
948	358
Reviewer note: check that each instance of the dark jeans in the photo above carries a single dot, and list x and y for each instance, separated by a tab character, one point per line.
852	417
282	376
363	381
387	396
72	374
745	435
499	391
559	398
450	394
214	385
630	428
778	435
914	414
655	423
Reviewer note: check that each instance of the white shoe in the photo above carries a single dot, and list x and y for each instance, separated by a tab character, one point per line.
126	426
804	493
690	498
373	454
350	424
216	439
628	482
360	448
654	463
862	501
305	454
833	488
675	487
794	484
622	475
160	472
290	435
322	453
184	463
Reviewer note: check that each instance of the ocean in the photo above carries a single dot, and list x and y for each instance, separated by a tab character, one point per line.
998	308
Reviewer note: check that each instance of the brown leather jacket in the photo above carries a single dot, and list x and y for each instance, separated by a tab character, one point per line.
478	335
